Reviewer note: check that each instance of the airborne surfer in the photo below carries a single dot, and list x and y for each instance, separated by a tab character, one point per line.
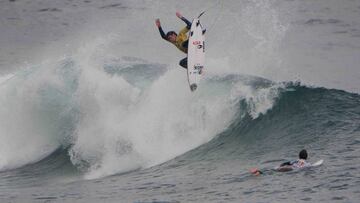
180	40
289	165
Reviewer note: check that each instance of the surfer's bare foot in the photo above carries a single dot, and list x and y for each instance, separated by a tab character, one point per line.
255	171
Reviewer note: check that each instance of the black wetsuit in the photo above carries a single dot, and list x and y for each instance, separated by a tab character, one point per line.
182	40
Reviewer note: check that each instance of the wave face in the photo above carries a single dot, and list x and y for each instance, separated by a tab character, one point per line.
117	118
301	117
269	124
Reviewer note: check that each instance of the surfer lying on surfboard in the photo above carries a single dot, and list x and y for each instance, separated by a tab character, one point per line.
290	165
180	40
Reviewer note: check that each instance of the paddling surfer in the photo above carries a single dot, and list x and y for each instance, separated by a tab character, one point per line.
289	165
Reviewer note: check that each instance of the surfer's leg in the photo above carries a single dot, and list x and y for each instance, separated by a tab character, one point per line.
183	63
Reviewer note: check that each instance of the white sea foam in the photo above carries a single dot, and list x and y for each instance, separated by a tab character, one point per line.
124	128
32	113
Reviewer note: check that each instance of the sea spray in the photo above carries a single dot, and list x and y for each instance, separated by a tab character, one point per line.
36	115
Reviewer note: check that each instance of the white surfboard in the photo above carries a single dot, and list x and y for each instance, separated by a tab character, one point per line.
196	54
318	163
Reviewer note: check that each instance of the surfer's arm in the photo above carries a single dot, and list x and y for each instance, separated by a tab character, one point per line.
284	168
188	23
162	33
288	163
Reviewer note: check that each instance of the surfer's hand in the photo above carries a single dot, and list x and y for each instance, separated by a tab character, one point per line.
178	15
157	22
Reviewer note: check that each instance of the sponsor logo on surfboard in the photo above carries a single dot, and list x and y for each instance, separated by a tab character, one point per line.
198	67
196	42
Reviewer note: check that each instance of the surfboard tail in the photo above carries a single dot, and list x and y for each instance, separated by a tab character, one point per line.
193	87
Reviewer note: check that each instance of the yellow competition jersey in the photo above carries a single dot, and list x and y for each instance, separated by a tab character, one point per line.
181	38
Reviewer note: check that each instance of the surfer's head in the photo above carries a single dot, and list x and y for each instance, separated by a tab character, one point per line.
171	36
303	154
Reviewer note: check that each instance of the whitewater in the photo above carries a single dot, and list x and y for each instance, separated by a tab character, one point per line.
95	108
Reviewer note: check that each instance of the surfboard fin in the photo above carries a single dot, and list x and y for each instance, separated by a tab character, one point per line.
201	14
204	31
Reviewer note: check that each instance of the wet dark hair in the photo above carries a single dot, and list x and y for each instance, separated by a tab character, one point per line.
170	33
303	154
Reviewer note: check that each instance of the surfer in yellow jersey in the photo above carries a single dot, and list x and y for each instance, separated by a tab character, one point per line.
180	40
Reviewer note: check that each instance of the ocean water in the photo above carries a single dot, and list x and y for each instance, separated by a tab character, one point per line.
94	107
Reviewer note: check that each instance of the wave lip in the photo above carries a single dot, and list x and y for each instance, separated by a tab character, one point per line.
39	114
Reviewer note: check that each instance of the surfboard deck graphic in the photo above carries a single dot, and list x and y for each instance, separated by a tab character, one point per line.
196	54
